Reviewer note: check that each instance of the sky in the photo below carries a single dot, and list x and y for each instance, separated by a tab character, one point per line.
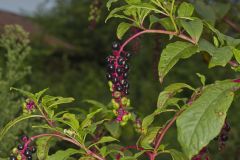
20	6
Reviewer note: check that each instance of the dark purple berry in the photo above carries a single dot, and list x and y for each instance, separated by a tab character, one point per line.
125	75
126	92
111	68
127	55
20	147
27	152
126	85
227	127
119	71
224	137
126	67
121	61
119	88
33	149
115	45
12	158
29	157
115	80
109	76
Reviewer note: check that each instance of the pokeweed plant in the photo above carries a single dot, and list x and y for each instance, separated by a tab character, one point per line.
199	118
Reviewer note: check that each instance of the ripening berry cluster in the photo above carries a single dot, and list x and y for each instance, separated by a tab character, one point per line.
95	12
117	73
29	106
23	150
223	136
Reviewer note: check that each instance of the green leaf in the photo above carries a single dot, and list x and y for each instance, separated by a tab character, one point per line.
60	100
206	46
122	29
221	56
88	120
4	130
25	93
39	94
104	139
202	78
185	10
133	1
236	53
114	129
203	120
43	147
205	11
167	23
95	103
64	155
109	3
116	10
169	92
148	138
70	120
176	155
193	28
171	55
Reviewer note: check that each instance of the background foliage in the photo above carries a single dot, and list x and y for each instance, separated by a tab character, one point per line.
80	73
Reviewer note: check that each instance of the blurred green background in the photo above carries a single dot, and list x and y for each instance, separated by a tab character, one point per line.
68	56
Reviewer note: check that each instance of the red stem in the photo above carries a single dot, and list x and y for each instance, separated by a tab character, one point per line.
89	152
163	131
182	36
232	24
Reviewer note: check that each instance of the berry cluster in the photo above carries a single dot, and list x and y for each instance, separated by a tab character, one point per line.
202	155
223	136
23	150
29	106
117	73
95	12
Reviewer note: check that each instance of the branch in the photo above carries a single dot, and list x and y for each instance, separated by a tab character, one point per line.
181	35
89	152
232	24
163	131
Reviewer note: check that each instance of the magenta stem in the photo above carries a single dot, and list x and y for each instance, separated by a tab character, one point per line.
182	36
89	152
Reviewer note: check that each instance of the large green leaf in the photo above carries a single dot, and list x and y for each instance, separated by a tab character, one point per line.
43	147
193	28
176	155
109	3
169	92
221	56
185	10
122	29
171	55
203	120
4	130
64	155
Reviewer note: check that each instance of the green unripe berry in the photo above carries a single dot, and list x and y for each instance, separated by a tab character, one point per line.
115	104
115	112
125	101
15	151
125	118
19	156
123	123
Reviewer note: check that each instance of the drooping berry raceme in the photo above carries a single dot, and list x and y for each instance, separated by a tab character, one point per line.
117	73
223	136
95	12
23	151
